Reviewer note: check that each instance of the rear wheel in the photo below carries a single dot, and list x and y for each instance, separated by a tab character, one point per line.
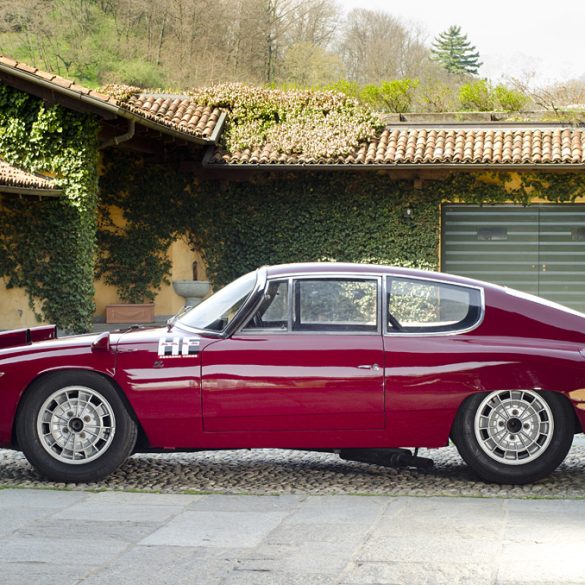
514	436
74	427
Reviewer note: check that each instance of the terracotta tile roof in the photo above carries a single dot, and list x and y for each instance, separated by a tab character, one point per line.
431	146
175	111
170	114
15	179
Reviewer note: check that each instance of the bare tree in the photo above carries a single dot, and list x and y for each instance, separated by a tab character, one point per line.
375	46
556	97
314	22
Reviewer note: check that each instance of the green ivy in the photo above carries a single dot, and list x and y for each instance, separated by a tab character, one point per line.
294	217
152	197
494	188
48	246
240	226
310	217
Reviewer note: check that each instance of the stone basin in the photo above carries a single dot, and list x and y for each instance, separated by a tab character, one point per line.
193	291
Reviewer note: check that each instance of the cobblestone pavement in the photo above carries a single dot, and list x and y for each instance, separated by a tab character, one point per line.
275	471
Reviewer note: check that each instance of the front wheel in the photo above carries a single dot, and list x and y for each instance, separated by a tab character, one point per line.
74	427
514	436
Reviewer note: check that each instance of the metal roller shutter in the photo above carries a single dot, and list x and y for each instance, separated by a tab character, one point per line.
539	249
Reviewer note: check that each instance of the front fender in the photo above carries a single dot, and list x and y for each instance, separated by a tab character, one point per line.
20	367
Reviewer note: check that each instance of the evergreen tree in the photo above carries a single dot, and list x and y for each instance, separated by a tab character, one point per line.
455	53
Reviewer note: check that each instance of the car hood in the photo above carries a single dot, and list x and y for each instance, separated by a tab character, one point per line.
44	339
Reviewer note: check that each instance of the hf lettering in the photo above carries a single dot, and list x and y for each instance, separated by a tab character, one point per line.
177	347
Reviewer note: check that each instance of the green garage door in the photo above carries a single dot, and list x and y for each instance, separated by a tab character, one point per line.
539	249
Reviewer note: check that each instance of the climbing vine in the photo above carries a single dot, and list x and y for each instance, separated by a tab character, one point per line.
314	216
294	217
48	246
152	201
502	187
284	217
314	123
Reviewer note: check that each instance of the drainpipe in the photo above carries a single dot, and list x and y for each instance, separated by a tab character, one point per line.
121	138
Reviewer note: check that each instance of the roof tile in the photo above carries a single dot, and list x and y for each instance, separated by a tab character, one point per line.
61	81
14	177
174	112
44	75
8	61
25	67
427	146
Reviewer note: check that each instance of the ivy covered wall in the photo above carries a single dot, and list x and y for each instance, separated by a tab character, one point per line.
288	217
48	247
238	226
341	216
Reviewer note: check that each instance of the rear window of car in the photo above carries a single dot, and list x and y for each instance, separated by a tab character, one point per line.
427	306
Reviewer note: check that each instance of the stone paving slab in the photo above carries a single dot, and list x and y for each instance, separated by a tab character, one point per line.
400	572
288	540
538	562
40	573
103	511
216	529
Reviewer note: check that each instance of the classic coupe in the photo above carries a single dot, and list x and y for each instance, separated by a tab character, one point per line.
364	361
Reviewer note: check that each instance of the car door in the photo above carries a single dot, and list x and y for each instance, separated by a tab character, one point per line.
309	359
431	364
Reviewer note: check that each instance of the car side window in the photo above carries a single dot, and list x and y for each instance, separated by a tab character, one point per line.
272	312
335	304
425	306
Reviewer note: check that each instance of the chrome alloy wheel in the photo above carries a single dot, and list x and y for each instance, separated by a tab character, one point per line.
514	426
76	425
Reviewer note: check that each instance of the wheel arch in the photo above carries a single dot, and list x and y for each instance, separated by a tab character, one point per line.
578	428
142	440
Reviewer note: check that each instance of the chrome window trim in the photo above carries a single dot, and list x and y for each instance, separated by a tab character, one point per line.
382	278
242	313
247	309
475	325
291	278
290	301
261	332
343	275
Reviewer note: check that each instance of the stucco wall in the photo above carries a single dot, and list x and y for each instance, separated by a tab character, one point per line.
167	302
15	312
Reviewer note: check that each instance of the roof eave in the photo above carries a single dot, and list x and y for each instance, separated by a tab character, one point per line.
408	166
102	105
39	192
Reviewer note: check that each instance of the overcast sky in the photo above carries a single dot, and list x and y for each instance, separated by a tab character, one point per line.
515	38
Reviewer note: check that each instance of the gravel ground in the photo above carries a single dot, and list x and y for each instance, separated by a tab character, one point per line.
275	471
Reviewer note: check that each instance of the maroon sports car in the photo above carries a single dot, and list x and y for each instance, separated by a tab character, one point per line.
360	360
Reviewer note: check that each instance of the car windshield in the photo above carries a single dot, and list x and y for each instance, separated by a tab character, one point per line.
214	313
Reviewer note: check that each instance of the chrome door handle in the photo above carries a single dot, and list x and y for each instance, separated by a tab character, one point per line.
374	367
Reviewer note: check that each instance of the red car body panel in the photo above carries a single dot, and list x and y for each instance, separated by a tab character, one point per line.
314	390
24	364
280	382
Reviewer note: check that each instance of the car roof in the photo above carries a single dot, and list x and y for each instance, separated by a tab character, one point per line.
308	268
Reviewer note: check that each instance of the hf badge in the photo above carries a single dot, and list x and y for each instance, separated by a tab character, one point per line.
178	347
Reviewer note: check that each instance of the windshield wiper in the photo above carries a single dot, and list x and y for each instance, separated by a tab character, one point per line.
175	318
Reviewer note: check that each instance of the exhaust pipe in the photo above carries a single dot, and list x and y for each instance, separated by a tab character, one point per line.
386	457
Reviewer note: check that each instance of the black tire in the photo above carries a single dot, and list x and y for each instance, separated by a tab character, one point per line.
549	448
41	429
